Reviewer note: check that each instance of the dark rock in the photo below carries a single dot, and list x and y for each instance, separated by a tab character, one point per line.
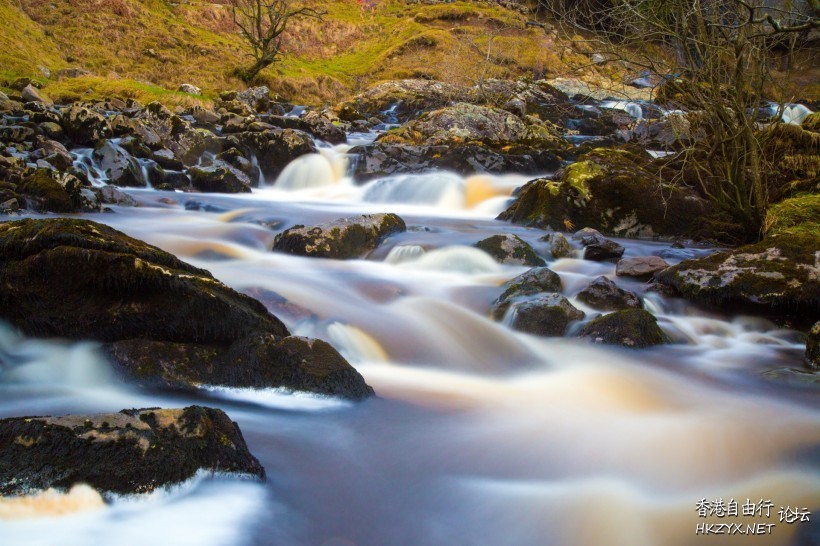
49	190
510	249
641	267
605	295
53	153
777	276
404	99
274	149
632	328
544	315
16	133
597	247
340	239
30	94
52	130
85	126
257	98
166	322
205	117
534	281
559	246
134	451
813	347
219	178
118	165
614	191
315	123
172	132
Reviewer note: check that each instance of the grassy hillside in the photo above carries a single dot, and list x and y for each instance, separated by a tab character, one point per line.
146	48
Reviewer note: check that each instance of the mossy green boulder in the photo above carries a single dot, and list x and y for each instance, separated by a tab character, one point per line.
631	328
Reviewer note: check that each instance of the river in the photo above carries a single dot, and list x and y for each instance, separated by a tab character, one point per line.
479	434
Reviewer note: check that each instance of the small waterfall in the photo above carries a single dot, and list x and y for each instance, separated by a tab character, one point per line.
456	259
404	253
307	171
632	108
354	344
441	189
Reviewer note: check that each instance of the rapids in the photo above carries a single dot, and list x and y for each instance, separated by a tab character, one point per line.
479	434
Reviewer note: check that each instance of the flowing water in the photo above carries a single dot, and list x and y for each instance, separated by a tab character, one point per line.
479	435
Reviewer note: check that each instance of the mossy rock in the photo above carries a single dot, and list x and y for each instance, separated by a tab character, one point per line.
341	239
134	451
545	315
795	215
812	123
534	281
81	280
631	328
43	193
510	249
613	191
778	276
219	178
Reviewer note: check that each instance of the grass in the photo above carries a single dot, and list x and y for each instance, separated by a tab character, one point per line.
797	215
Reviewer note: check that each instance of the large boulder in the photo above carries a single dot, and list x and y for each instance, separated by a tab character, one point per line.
613	191
605	295
118	165
48	190
597	247
317	124
779	276
85	126
544	315
631	328
219	178
340	239
133	451
510	249
274	148
158	127
82	280
640	267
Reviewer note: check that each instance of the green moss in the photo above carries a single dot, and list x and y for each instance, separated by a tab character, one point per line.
48	194
631	328
797	215
579	174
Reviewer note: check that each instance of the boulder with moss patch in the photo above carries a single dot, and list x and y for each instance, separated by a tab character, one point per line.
133	451
614	191
341	239
510	249
219	178
631	328
85	126
536	280
543	315
82	280
779	276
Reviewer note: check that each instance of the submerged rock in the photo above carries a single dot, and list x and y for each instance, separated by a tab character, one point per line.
510	249
605	295
779	276
340	239
642	267
82	280
133	451
632	328
544	315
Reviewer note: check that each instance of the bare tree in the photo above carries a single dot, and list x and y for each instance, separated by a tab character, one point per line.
717	58
261	24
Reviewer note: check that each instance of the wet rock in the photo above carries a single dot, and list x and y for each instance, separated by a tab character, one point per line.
316	123
188	88
52	191
605	295
813	347
614	191
534	281
219	178
114	196
559	246
510	249
118	165
165	322
631	328
30	94
274	149
16	133
641	267
544	315
53	153
10	205
597	247
133	451
85	126
340	239
779	276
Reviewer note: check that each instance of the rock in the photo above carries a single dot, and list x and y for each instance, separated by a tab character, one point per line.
597	247
544	315
54	153
778	276
631	328
205	117
113	196
274	149
340	239
257	98
3	97
68	73
188	88
118	165
401	100
534	281
164	322
85	126
16	133
315	123
510	249
605	295
133	451
49	190
642	267
30	94
219	178
159	128
559	246
614	191
813	347
52	130
9	205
